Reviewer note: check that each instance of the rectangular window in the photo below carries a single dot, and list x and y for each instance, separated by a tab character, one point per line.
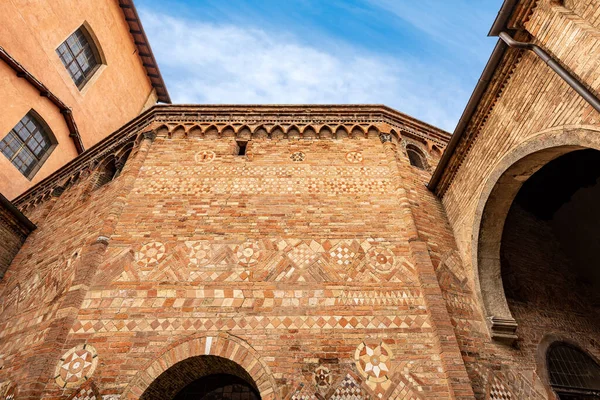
79	56
27	145
241	148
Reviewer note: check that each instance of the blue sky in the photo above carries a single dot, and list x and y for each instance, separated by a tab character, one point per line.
421	57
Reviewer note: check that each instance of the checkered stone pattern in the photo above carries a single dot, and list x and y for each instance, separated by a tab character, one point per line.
498	391
302	255
349	389
85	394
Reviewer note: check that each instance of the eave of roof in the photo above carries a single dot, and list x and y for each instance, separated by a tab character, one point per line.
498	26
44	91
144	50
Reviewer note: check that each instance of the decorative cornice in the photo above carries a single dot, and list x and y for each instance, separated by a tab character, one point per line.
45	92
446	172
252	117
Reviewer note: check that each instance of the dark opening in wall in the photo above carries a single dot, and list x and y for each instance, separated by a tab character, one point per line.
241	148
416	158
219	386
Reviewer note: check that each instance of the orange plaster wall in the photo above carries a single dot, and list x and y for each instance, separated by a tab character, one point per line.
32	30
18	97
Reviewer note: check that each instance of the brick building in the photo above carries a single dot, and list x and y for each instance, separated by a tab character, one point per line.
325	252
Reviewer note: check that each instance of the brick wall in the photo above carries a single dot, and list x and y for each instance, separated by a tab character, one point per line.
296	255
531	108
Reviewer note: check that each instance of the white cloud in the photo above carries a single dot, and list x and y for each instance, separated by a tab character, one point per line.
227	64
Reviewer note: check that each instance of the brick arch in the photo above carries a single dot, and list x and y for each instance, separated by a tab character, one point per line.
222	345
495	199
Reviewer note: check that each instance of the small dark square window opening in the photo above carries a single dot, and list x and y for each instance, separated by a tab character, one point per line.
241	148
80	56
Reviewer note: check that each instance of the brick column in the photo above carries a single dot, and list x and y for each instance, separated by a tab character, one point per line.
458	382
44	363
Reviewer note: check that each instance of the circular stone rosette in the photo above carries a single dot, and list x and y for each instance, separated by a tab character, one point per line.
381	259
298	156
76	366
248	253
205	156
354	157
373	361
150	253
322	377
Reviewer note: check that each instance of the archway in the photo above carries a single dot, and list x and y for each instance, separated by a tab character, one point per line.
203	378
194	361
497	198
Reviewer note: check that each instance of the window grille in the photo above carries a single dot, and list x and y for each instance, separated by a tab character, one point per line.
573	374
79	56
27	145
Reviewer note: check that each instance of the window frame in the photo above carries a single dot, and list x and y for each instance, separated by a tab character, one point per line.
45	130
95	48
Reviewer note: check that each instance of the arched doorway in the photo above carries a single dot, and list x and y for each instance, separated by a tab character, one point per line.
197	358
534	233
549	251
203	377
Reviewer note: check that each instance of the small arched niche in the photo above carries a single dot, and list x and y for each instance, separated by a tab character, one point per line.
416	156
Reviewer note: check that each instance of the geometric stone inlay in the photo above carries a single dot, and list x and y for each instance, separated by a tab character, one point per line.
150	253
76	366
205	156
381	259
354	157
373	361
199	253
322	377
298	156
248	253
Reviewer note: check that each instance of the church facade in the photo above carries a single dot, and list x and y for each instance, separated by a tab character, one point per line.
324	252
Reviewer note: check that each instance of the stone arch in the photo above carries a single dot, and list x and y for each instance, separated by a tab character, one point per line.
195	132
228	132
372	131
244	133
178	132
341	132
326	132
277	132
221	345
357	132
495	200
260	132
293	132
309	132
211	132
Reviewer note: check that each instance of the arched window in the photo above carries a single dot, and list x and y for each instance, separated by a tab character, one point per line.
415	156
28	144
80	56
572	373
